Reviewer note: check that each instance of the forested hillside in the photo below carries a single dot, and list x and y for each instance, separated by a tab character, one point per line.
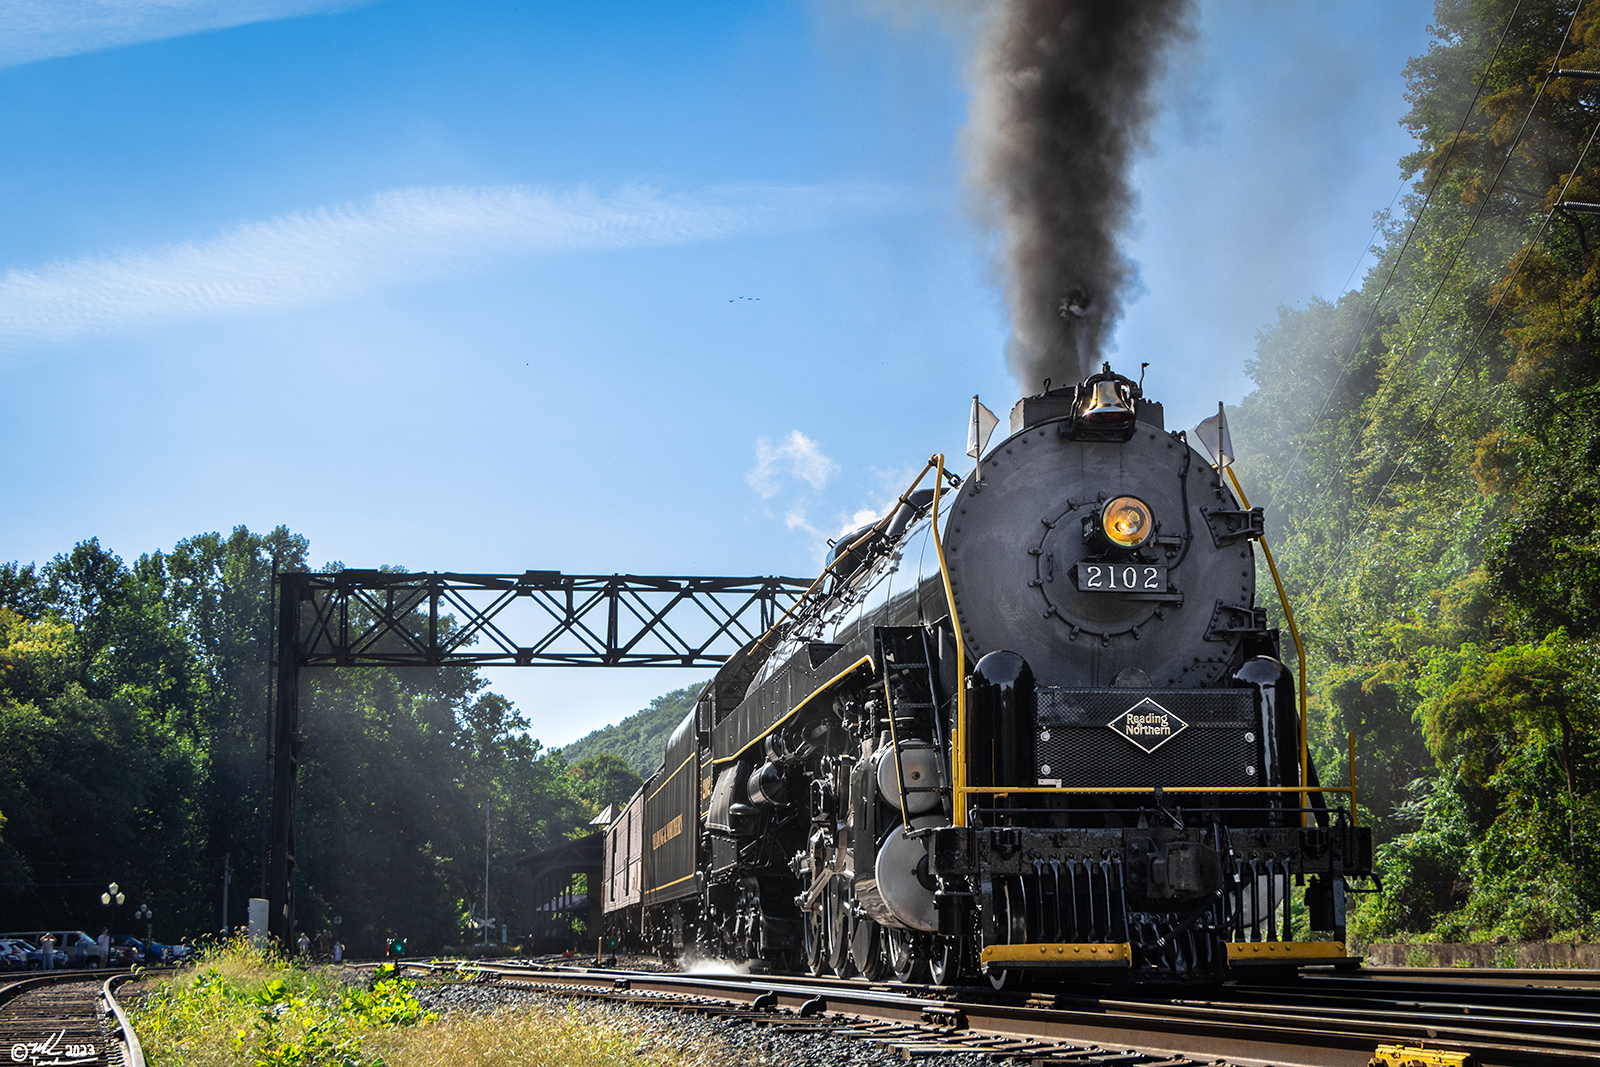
132	726
641	737
1428	448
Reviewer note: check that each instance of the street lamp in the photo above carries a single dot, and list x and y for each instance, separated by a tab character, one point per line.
146	916
110	898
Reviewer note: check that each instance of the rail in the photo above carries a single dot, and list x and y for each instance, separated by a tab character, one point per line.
1271	1023
132	1051
55	1018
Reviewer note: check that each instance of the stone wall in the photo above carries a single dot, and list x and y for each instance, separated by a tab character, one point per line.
1529	954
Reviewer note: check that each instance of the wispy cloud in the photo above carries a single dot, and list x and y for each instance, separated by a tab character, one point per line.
798	456
795	519
40	29
313	257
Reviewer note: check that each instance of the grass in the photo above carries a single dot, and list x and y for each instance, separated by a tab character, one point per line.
570	1035
239	1007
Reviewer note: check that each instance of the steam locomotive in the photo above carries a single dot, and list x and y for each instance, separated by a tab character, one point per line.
1029	723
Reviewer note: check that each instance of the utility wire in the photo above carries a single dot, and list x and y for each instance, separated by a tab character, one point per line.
1455	255
1444	169
1461	364
1372	239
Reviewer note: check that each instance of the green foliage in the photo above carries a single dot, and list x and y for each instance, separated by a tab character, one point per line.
240	1006
1433	484
605	780
132	749
1423	871
641	737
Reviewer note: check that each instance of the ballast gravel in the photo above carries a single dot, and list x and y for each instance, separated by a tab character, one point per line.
747	1043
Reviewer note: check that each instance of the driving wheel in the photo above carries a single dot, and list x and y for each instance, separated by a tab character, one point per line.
908	956
839	929
1011	924
815	937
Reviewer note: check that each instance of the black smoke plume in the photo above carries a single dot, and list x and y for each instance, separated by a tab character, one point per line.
1062	102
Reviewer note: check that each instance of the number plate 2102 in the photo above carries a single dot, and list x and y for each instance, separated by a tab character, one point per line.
1121	577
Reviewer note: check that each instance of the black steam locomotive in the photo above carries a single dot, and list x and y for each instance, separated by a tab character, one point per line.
1031	721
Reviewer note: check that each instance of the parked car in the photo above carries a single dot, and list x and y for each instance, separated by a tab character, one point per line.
34	955
67	941
141	951
126	951
170	953
13	955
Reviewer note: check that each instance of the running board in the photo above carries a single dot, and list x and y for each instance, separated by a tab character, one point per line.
1007	957
1301	953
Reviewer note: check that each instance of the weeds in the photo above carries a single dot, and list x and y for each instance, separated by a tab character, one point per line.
240	1007
540	1035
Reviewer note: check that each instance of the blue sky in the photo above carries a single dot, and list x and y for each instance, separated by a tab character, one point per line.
492	286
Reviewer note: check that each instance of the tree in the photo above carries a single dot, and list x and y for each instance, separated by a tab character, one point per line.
1429	446
605	781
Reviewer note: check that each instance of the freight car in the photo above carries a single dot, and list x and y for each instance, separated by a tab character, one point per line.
1029	722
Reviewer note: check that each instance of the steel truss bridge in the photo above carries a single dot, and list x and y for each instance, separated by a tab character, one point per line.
369	618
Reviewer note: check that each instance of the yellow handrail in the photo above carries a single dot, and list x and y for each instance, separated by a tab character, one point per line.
876	527
958	736
1299	647
1302	790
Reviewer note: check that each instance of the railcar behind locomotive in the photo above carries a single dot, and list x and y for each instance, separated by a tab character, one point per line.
1030	721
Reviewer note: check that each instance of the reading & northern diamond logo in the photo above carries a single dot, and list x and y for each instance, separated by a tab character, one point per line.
1148	725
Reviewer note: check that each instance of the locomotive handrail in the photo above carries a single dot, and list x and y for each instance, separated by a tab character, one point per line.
1300	651
864	661
805	598
958	736
1303	790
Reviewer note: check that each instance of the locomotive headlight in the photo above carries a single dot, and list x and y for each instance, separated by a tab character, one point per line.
1126	521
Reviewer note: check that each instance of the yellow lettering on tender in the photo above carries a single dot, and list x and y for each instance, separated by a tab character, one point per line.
667	832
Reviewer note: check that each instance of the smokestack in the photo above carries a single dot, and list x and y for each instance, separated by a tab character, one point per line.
1062	102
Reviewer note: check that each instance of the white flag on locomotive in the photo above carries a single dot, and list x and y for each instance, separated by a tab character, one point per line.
1213	433
979	427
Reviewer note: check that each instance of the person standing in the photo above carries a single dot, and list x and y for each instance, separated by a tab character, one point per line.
47	951
305	944
338	952
103	943
81	952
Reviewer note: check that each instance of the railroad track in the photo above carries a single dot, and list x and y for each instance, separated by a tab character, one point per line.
1315	1022
66	1020
1517	976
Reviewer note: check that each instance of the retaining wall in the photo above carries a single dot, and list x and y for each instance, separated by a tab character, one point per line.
1529	954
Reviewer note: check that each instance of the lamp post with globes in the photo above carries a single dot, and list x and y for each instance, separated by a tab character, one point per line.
110	898
146	916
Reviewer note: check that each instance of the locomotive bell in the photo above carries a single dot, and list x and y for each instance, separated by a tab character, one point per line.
1104	406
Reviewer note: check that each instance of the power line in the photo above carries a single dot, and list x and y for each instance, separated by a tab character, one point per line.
1416	220
1520	261
1372	238
1455	254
